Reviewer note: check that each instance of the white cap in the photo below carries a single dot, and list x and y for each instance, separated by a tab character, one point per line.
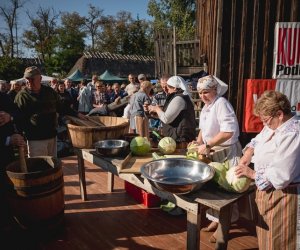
211	82
179	83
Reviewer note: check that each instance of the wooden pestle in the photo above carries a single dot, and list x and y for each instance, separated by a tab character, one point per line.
22	160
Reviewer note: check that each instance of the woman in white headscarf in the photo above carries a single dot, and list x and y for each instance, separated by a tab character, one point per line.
218	127
177	115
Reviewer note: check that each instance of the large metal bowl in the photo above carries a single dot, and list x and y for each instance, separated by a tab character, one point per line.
176	175
112	147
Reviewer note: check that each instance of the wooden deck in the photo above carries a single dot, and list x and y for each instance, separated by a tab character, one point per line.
116	221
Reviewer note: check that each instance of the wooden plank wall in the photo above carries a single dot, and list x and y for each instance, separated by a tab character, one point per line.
188	57
246	33
163	44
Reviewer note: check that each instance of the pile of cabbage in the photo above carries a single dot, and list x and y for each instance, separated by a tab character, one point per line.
226	178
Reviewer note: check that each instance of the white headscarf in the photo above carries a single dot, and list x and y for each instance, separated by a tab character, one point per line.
179	83
210	82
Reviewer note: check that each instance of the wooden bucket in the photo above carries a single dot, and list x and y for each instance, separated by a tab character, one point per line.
85	136
36	198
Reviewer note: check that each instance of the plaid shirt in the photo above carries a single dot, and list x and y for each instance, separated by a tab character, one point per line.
100	98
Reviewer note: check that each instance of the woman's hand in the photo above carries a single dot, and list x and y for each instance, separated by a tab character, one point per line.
203	150
154	109
244	170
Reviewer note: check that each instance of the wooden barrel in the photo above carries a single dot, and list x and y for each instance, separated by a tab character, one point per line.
36	198
85	136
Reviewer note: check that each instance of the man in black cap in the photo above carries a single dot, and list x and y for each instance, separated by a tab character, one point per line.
39	105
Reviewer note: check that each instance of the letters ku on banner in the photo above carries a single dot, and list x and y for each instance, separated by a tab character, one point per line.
287	50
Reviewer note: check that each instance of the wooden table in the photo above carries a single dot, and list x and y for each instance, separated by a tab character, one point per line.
194	203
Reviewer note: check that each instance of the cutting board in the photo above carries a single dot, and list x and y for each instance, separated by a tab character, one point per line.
132	164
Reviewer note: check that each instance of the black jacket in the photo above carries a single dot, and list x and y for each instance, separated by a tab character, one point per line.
6	152
183	128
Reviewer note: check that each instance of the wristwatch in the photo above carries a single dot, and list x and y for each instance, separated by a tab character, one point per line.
207	146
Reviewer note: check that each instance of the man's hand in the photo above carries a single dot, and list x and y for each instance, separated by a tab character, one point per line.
4	118
17	140
117	100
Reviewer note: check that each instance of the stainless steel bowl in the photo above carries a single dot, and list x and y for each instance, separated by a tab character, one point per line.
112	147
178	176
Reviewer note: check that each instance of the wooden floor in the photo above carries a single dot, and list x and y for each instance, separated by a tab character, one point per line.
116	221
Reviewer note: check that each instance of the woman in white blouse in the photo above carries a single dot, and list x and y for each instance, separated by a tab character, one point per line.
275	152
218	127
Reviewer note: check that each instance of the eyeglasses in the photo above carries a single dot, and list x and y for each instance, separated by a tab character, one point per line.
266	120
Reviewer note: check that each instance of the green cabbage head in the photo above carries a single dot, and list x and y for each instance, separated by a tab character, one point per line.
239	184
140	145
167	145
220	175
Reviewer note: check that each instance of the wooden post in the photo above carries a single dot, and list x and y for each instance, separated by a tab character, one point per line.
81	173
174	51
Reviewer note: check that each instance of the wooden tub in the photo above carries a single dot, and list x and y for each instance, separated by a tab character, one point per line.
86	136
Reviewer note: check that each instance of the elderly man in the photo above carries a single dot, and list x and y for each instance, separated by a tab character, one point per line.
91	85
131	87
141	78
73	93
39	105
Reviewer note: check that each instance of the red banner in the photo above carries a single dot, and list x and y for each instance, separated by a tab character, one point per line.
253	90
286	62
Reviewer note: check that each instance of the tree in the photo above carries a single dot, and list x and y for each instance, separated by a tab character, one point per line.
139	39
42	37
9	41
108	40
124	35
70	43
178	13
93	22
11	68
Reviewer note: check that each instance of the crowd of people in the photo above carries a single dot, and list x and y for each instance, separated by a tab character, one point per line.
271	159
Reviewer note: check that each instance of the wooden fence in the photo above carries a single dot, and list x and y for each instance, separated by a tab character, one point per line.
185	59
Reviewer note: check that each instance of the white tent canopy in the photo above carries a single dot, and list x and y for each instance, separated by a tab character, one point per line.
45	79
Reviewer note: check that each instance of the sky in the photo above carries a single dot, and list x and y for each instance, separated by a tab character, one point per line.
110	7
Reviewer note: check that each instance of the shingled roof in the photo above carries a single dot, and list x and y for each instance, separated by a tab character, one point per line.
121	65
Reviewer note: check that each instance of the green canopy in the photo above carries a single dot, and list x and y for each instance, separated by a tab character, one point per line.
76	76
107	76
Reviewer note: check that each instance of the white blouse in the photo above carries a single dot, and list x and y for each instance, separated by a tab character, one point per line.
218	117
277	154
